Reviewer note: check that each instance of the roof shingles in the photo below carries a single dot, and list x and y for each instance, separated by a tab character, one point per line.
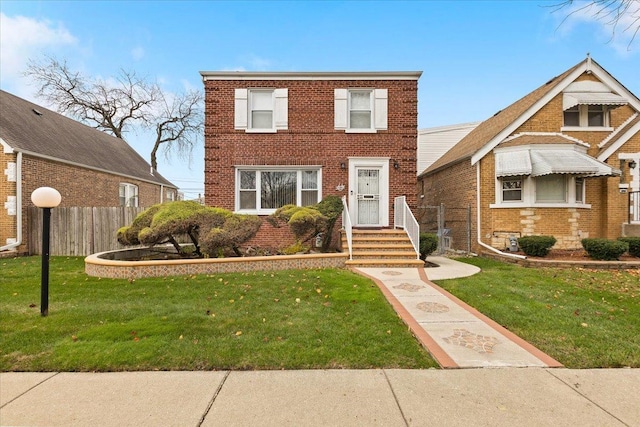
35	130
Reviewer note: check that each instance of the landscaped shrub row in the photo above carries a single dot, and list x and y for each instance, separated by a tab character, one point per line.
536	245
604	249
634	245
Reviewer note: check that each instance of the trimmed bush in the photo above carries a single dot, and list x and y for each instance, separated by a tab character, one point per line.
428	244
536	245
634	245
604	249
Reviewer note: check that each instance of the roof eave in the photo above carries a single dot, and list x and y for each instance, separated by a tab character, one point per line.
310	75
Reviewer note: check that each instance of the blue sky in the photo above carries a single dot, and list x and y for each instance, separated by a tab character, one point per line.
477	57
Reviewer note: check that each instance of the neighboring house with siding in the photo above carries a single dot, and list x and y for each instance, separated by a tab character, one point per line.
434	142
276	138
562	161
88	167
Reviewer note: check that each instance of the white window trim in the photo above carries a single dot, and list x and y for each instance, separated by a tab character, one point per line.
128	187
260	211
583	110
280	109
379	110
529	195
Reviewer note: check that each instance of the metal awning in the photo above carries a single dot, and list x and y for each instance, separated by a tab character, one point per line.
513	163
540	161
591	98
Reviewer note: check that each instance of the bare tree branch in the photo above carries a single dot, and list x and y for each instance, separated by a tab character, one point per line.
611	13
119	105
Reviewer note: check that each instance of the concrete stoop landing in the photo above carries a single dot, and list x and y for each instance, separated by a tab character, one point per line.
456	335
381	248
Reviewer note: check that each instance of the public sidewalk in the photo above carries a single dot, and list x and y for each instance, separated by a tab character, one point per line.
456	335
389	397
499	396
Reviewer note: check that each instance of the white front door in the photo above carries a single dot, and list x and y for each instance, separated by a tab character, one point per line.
369	192
368	196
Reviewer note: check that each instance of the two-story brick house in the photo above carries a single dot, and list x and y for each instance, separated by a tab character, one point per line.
276	138
561	161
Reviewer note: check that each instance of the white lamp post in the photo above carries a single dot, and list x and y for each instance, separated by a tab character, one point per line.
45	198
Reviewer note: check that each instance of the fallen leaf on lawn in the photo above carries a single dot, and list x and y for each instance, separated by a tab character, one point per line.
180	337
389	332
584	325
74	338
297	300
238	333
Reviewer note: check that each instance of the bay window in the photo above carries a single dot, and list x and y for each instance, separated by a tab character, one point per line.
551	189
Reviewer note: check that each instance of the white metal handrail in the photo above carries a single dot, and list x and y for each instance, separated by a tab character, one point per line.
403	218
634	207
347	225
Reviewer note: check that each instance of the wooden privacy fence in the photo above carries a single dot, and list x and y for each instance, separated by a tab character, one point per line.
80	231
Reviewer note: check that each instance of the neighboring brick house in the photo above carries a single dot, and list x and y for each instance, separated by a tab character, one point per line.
88	167
560	161
276	138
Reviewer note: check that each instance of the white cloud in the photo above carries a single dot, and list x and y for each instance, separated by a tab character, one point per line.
137	53
617	30
22	38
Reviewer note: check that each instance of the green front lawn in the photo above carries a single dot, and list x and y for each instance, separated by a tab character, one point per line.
280	320
583	318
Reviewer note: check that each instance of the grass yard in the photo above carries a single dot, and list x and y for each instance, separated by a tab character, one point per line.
280	320
583	318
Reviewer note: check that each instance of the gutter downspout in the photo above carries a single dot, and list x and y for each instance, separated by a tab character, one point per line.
484	245
18	241
161	192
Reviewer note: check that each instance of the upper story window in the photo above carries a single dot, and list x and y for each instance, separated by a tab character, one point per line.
261	106
261	110
587	116
128	195
360	110
586	104
264	190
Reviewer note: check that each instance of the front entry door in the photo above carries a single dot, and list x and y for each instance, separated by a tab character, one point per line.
368	196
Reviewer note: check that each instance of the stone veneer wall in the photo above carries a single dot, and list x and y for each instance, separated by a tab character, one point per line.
98	267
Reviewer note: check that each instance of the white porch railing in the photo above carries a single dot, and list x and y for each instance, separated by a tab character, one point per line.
634	207
347	225
403	218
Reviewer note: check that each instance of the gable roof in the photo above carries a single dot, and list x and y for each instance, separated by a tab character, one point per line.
492	131
39	132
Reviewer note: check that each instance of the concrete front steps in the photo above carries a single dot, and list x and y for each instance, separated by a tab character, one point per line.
381	248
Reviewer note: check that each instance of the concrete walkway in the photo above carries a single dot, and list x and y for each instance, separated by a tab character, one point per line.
456	335
389	397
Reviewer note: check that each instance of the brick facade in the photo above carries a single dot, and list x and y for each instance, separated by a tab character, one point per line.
603	218
78	187
310	139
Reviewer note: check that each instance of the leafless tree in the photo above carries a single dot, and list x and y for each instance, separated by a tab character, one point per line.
122	104
621	15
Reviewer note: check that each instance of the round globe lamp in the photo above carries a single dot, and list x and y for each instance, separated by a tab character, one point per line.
45	198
